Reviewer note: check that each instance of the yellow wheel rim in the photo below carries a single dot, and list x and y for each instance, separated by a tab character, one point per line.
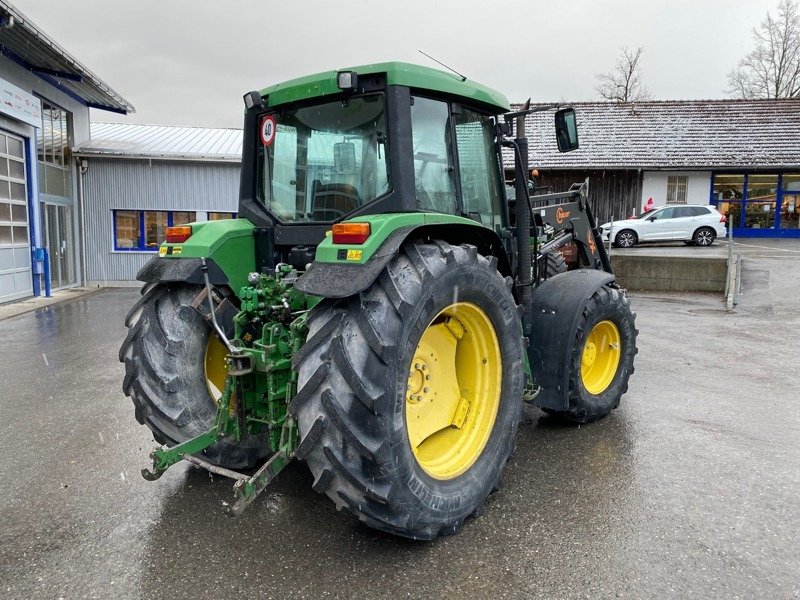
453	392
215	367
600	358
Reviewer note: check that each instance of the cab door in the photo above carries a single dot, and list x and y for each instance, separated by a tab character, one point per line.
478	168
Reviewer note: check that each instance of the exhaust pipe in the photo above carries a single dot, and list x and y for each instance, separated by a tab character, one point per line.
524	275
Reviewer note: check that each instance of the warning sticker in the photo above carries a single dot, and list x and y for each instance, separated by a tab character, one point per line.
268	128
354	255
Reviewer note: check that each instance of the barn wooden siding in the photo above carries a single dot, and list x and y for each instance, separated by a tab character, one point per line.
614	193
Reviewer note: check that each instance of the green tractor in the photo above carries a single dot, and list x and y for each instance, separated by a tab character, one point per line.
379	309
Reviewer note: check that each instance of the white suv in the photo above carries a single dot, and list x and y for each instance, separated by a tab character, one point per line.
692	224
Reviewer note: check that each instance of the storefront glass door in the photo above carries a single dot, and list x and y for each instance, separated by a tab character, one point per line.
790	211
58	239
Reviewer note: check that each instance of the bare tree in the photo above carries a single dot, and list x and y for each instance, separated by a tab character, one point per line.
772	69
624	83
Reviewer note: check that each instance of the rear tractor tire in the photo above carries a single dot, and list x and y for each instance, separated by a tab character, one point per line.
175	371
410	392
602	357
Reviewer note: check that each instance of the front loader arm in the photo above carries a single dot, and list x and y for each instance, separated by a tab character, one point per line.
571	218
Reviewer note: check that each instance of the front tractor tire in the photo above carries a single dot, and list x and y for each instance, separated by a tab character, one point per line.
175	371
410	392
602	357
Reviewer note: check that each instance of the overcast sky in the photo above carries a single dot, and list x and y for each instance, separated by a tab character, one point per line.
188	63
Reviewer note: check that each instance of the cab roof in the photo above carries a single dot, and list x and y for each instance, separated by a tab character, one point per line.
397	73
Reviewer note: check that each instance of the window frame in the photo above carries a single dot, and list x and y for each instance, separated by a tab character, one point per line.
142	247
680	184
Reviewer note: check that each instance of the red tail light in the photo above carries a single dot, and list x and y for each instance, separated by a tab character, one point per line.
176	235
723	218
350	233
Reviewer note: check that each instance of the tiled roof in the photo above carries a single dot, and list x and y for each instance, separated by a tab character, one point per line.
672	134
131	140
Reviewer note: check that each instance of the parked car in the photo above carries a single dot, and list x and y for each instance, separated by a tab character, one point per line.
692	224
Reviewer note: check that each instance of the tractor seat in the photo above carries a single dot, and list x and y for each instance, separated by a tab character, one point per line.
333	200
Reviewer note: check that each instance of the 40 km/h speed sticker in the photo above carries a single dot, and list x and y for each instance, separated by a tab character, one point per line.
268	128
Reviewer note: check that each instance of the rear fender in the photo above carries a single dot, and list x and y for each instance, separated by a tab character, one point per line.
228	247
340	279
184	270
556	311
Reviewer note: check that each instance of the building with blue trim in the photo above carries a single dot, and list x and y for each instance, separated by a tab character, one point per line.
45	97
743	156
137	180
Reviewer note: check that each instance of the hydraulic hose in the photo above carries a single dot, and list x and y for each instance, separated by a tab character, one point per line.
217	328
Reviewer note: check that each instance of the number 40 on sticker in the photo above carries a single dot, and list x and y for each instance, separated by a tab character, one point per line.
268	128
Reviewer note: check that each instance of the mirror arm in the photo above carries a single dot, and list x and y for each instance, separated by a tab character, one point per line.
521	113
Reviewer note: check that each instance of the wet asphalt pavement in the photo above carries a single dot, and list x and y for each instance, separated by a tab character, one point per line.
690	489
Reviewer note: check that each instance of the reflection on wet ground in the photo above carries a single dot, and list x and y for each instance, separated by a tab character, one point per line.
689	489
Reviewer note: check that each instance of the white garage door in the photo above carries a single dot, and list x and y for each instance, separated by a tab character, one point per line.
15	254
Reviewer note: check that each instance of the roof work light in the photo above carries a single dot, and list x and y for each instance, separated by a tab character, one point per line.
252	99
346	80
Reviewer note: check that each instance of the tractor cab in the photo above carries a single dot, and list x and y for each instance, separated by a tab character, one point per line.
376	139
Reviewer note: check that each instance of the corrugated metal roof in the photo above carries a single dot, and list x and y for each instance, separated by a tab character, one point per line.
132	140
27	45
672	134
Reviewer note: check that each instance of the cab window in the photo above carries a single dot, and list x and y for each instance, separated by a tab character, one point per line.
433	156
479	172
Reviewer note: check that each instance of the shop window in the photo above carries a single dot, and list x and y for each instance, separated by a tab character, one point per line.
762	194
728	194
53	142
676	189
145	229
791	182
52	137
790	211
126	230
221	216
182	218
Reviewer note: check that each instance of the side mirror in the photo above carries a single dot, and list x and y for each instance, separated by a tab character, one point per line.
566	130
344	158
651	219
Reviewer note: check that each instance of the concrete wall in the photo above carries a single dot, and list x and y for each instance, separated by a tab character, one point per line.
653	273
118	183
654	185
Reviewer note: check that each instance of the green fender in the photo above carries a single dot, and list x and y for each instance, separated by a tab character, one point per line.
341	270
228	247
